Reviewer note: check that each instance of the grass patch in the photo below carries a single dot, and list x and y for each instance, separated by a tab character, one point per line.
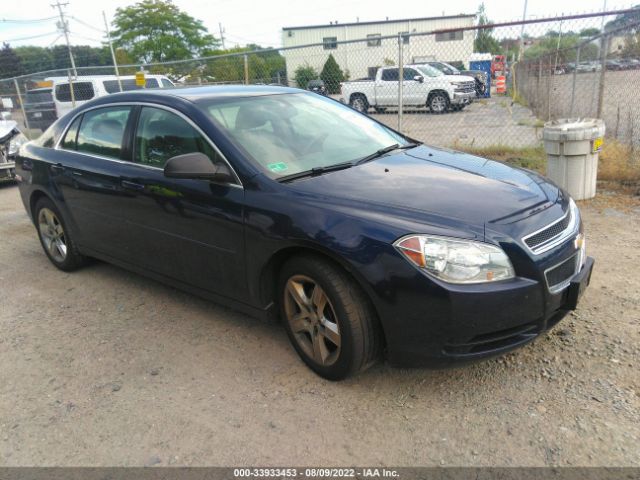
525	122
618	162
532	158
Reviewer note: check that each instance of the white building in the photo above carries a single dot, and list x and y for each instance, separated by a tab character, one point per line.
361	58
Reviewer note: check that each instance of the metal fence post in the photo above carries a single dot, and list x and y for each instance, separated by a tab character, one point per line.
400	82
71	89
246	69
24	114
603	62
573	87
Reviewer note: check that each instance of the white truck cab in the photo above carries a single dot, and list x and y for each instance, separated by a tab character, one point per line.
87	88
422	86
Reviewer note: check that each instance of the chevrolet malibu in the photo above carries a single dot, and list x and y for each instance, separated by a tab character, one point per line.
280	202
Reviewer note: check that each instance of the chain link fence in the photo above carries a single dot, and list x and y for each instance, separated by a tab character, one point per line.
453	93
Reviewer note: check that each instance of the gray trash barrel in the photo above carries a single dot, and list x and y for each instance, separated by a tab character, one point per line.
572	146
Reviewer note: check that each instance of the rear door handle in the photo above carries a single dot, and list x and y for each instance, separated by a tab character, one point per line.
132	185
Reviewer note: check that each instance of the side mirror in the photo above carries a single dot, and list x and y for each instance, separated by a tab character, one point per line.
419	78
196	165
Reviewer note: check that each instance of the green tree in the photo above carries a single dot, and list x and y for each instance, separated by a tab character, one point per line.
485	42
304	74
565	46
10	63
158	31
589	32
332	75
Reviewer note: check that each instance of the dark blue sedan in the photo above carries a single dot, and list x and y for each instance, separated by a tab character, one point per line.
280	202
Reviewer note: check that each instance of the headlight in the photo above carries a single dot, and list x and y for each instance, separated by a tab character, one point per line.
456	261
16	142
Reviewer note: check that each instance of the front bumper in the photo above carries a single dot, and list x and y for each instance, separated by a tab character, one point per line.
463	98
451	325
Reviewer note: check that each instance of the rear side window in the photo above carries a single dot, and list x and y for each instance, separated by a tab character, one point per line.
81	91
112	86
162	135
166	83
390	75
102	131
69	142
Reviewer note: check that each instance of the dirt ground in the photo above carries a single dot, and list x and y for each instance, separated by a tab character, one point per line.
103	367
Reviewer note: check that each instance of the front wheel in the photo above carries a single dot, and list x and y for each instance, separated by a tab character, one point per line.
55	238
438	102
328	319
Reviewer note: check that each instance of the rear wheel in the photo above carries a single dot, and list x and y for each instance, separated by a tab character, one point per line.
330	322
55	237
359	103
380	109
438	102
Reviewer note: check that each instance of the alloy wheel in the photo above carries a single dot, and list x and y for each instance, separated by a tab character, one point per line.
312	319
438	103
52	234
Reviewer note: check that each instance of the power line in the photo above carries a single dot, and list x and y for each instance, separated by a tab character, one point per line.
86	24
35	20
29	38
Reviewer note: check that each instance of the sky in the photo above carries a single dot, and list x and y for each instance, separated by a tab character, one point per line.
260	22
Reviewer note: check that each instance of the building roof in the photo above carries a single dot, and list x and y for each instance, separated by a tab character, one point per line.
380	22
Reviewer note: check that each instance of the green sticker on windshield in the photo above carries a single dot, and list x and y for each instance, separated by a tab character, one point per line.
277	167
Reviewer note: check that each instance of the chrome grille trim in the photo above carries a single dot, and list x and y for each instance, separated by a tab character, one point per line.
573	224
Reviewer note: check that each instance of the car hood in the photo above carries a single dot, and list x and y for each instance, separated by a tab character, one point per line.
459	78
437	181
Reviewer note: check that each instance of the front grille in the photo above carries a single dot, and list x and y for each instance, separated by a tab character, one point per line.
539	240
466	87
559	277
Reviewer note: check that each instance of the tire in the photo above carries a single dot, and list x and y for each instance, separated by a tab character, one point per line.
55	237
359	103
342	338
438	102
457	108
380	109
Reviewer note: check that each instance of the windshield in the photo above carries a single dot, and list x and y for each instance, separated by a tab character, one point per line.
292	133
429	71
38	96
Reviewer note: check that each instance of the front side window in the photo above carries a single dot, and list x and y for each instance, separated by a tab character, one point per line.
330	43
409	74
81	91
374	40
162	134
166	83
291	133
102	131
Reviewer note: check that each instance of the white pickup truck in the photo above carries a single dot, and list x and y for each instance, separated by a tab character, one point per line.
423	86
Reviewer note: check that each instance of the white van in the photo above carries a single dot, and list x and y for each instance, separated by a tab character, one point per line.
94	86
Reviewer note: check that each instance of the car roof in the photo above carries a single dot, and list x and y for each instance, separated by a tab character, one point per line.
200	92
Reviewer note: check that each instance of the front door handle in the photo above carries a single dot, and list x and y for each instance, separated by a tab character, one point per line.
132	185
57	168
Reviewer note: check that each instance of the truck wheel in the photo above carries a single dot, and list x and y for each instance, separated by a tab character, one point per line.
359	103
380	109
329	320
438	102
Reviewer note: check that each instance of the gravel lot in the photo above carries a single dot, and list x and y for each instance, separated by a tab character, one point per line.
104	367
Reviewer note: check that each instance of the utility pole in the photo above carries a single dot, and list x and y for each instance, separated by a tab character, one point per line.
524	17
221	35
113	54
65	29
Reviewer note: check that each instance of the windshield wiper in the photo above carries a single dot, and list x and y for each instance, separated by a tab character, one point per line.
382	151
315	171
